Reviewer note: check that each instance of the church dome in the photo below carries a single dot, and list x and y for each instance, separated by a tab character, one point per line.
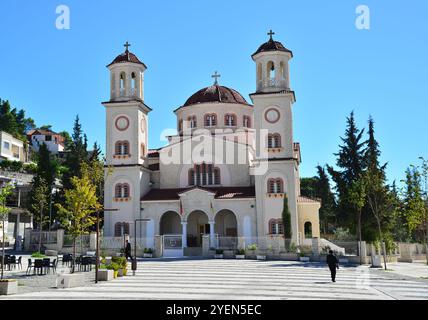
216	93
272	45
125	57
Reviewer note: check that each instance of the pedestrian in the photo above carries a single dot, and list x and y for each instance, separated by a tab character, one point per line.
128	250
333	264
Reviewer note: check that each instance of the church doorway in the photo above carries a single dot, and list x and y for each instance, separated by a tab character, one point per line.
226	227
170	224
197	227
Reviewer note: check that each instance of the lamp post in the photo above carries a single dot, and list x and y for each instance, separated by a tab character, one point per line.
134	261
97	263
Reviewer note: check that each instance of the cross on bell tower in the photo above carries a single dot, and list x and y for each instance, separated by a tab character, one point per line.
127	45
271	34
215	76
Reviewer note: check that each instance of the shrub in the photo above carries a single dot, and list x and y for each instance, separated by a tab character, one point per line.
114	266
240	252
252	247
148	250
120	261
37	255
219	251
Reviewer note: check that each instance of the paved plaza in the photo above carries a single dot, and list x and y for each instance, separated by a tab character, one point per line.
241	279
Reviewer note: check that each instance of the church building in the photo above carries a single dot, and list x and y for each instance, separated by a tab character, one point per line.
223	180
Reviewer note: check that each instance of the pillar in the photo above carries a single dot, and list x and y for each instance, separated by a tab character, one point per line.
184	235
212	235
315	247
205	245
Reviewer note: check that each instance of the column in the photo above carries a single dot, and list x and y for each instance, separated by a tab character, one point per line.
184	235
212	235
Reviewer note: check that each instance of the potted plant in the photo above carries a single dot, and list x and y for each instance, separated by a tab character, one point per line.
115	267
251	251
122	265
219	254
8	287
303	257
240	254
148	253
104	274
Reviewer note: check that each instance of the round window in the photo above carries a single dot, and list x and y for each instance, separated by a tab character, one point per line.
122	123
272	115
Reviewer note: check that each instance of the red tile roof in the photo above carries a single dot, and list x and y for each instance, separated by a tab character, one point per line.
220	193
153	153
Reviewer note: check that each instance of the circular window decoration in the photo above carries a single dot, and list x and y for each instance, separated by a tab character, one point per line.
122	123
272	115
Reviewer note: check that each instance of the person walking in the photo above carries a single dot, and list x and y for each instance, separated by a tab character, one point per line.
128	250
333	264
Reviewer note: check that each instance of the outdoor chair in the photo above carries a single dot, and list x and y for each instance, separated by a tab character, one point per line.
86	264
12	262
46	265
53	265
38	265
19	263
66	259
30	265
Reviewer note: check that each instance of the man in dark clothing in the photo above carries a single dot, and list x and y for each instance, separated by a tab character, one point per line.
333	264
128	250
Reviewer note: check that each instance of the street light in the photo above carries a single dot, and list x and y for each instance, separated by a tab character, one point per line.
98	242
134	261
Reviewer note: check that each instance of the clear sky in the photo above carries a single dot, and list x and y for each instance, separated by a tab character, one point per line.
55	74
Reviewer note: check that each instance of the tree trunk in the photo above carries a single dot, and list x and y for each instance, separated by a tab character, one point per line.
74	255
426	242
382	244
40	231
359	232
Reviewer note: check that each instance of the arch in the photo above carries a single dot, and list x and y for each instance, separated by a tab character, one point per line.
143	150
226	224
197	226
122	148
308	229
275	185
204	175
133	80
271	70
122	83
122	191
192	121
170	223
230	120
180	125
282	70
259	72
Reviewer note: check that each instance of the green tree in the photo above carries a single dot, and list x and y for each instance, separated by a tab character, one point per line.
5	192
286	219
328	202
350	159
357	198
67	139
14	122
81	202
39	201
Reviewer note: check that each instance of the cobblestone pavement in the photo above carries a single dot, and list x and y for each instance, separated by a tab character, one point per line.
242	279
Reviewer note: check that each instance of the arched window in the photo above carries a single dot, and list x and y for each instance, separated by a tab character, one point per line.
122	83
210	120
230	120
204	175
271	70
192	121
308	230
122	148
247	122
143	150
259	74
122	191
120	229
275	186
276	226
133	84
180	125
274	140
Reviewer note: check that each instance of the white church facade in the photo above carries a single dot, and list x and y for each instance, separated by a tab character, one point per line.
222	178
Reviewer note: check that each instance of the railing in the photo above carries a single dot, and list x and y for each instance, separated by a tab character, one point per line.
172	242
272	83
47	237
82	241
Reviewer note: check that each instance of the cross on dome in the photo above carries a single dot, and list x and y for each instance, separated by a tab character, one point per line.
127	45
271	33
216	75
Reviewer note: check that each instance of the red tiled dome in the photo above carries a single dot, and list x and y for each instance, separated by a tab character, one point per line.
272	45
127	56
216	93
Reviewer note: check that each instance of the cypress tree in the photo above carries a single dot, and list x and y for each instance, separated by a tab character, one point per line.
286	219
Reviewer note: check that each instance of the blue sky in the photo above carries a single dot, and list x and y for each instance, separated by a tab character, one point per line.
55	74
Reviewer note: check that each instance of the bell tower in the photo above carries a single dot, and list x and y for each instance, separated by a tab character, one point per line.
273	102
128	176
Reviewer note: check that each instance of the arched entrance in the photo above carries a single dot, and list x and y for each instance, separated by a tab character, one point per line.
226	228
197	226
308	230
170	223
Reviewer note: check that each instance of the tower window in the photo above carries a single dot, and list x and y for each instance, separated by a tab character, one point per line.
122	191
122	83
122	148
192	121
120	229
276	227
275	185
143	151
274	140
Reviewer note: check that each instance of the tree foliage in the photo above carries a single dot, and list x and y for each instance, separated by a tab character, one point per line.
14	121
